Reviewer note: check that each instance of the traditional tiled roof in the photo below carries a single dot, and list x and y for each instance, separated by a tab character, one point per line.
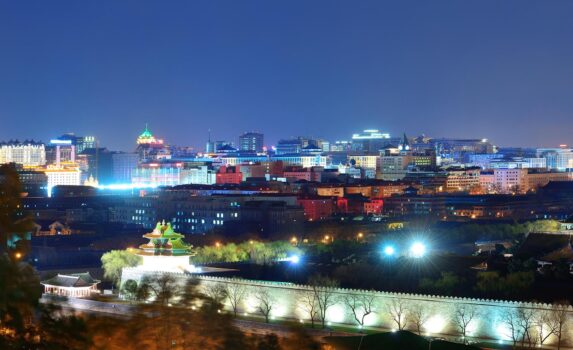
72	280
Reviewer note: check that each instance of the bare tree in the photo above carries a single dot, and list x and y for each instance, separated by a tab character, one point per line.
266	303
526	322
544	325
558	316
510	320
309	304
418	316
162	289
464	314
323	289
397	310
235	293
216	292
361	306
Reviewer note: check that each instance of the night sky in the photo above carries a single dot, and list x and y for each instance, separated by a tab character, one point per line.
496	69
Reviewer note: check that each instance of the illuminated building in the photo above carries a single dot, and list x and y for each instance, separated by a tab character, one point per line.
166	251
229	175
350	171
76	285
457	149
157	174
373	207
151	148
59	151
91	181
201	175
27	153
171	173
463	179
364	161
517	163
97	162
510	180
251	142
63	175
225	149
393	164
297	173
557	158
256	170
341	146
293	146
370	140
519	180
317	208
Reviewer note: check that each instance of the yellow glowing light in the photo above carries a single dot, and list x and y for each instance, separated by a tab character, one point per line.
217	244
435	324
18	255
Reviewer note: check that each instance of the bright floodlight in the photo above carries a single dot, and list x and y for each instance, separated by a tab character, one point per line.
418	250
294	259
389	250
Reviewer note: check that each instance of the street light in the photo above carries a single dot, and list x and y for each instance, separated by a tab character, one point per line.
295	259
389	250
418	250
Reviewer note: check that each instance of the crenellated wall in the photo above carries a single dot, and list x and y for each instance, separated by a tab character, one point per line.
440	311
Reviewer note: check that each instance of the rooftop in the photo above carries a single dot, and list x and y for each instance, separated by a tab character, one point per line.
72	280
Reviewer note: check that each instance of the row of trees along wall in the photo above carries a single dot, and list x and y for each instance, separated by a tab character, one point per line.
323	304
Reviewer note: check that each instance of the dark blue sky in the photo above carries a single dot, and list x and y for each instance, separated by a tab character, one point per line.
496	69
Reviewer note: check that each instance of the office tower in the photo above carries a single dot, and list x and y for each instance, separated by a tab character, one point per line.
123	165
251	142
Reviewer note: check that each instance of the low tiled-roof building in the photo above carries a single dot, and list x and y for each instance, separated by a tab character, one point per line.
74	285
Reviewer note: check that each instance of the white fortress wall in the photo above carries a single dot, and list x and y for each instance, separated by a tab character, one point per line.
439	311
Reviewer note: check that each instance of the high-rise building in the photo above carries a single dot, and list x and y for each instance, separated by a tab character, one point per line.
99	164
60	151
123	165
291	146
251	142
371	140
79	142
27	153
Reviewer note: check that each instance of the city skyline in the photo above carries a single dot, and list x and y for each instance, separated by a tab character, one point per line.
445	69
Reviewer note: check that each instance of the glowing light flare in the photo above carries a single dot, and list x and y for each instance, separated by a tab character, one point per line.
336	313
435	324
295	259
418	250
370	320
389	250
